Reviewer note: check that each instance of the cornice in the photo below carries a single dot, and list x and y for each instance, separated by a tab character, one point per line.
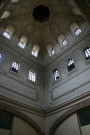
66	50
45	112
8	44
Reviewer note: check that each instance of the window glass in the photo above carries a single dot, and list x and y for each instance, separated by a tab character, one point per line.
1	56
50	50
35	50
75	29
7	35
23	41
9	31
87	53
55	74
77	32
64	43
31	75
22	45
62	40
15	67
71	64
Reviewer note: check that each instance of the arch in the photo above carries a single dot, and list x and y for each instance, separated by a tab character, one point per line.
75	28
50	50
15	1
35	50
22	41
6	14
62	40
72	110
9	31
12	110
76	11
61	37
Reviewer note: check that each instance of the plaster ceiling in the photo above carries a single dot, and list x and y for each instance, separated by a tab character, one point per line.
45	29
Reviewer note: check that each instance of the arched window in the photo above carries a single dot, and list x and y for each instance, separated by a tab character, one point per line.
55	74
62	40
70	64
75	29
15	67
50	50
5	15
9	31
1	3
1	56
35	50
32	75
23	41
88	2
15	1
76	11
87	53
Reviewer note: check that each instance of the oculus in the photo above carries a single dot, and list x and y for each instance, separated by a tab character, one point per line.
41	13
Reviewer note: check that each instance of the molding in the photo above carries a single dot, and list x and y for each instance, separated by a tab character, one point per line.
34	98
66	81
45	112
67	104
67	49
20	52
65	93
22	107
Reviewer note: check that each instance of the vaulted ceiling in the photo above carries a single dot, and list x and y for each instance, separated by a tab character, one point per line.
44	22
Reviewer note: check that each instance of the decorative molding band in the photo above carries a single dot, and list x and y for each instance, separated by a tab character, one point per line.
67	49
69	91
8	44
22	107
32	96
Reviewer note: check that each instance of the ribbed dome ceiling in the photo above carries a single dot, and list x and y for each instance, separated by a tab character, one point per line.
43	22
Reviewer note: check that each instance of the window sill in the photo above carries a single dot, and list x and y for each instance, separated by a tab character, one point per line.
72	71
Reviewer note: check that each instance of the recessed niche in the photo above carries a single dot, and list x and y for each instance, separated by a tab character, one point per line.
41	13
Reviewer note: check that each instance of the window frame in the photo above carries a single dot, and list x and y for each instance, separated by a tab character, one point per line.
14	69
5	35
33	71
1	59
87	58
53	71
35	53
21	45
77	32
73	64
14	1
